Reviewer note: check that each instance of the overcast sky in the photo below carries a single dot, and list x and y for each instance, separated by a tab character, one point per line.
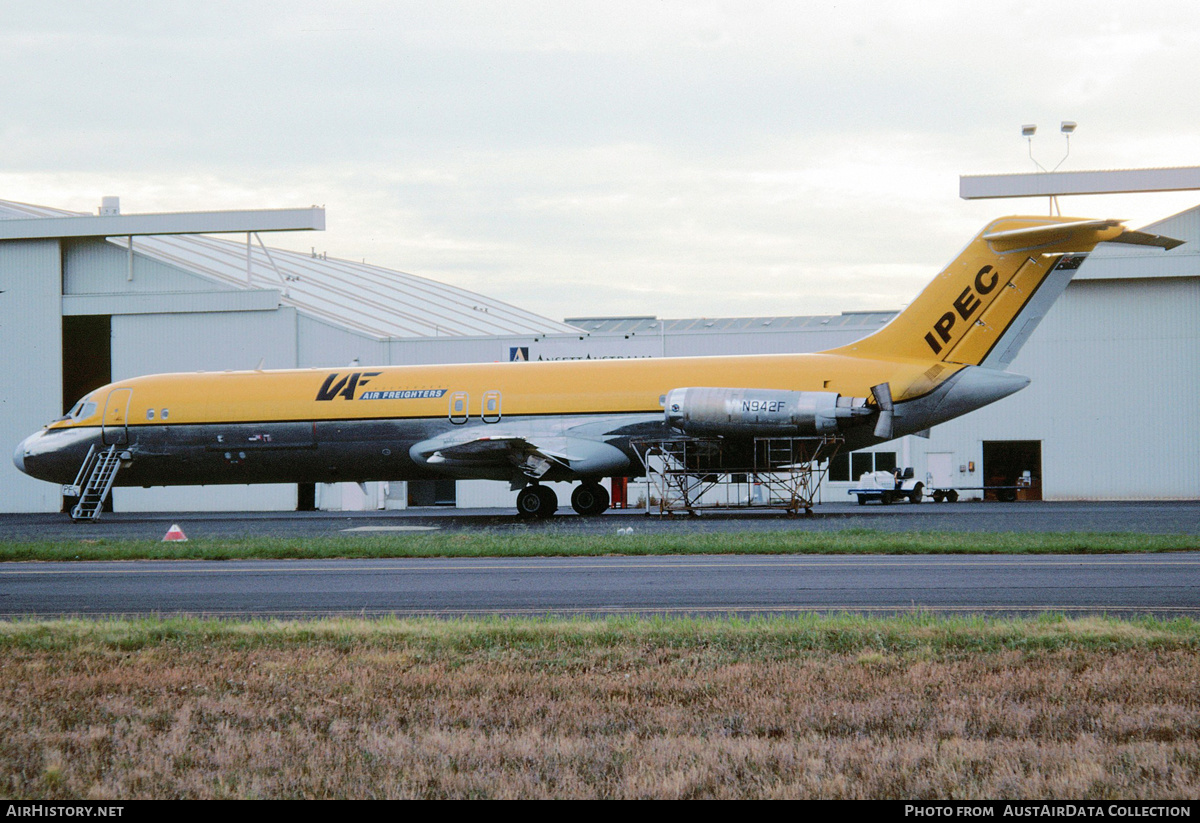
608	158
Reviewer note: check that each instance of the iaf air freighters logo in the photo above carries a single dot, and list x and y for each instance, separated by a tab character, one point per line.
337	385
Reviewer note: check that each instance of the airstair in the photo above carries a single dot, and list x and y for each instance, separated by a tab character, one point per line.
689	474
94	482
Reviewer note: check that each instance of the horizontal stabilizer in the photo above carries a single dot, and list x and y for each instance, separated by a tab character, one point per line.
1033	237
1087	231
1141	238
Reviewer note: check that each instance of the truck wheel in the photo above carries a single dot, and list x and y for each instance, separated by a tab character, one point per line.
952	496
862	499
916	494
938	497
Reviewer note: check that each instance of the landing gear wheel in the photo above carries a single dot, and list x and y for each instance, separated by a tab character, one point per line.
952	496
917	493
536	502
589	499
938	497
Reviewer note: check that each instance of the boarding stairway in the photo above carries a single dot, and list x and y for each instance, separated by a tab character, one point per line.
94	482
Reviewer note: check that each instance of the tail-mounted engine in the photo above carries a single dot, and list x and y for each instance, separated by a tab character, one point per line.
761	412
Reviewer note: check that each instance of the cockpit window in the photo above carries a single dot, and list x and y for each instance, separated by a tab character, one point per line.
84	408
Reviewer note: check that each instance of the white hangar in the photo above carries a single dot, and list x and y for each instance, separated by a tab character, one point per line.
1111	412
87	299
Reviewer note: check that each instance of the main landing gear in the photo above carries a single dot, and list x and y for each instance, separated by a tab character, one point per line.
589	499
537	502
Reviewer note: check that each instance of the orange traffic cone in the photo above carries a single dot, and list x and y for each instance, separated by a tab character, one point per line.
175	533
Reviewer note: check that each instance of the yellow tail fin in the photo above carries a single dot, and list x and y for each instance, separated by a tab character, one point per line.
1005	279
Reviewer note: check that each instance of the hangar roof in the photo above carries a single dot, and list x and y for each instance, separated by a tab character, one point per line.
369	299
865	320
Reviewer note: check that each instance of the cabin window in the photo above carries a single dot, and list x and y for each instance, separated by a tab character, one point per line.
165	412
149	414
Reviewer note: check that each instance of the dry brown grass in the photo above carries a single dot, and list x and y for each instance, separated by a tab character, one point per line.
411	709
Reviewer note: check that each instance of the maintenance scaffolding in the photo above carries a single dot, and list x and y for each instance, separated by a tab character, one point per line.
785	473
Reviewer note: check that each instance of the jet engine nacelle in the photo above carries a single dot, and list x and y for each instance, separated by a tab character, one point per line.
760	412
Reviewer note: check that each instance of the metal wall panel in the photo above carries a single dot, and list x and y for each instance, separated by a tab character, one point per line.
171	302
322	345
31	342
259	498
602	345
96	266
155	343
759	342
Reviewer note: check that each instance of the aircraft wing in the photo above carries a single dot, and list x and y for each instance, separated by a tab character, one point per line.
527	456
531	460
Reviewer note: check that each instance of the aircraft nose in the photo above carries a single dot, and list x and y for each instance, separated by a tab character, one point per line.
19	454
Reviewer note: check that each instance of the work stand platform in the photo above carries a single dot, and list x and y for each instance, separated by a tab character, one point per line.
693	474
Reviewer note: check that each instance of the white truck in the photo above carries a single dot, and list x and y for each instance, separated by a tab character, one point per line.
887	487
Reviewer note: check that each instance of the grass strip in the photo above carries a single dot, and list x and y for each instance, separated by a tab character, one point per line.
770	635
803	706
545	543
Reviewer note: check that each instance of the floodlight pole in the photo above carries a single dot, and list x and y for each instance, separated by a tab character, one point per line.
1066	127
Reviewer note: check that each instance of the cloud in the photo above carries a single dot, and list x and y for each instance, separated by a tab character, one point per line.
670	158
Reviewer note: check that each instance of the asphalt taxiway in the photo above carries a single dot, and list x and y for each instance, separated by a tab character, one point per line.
1165	585
1170	517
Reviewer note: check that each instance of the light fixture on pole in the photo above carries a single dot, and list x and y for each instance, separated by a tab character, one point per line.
1067	127
1028	131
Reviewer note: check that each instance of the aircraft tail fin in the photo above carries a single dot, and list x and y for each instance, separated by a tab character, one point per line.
984	305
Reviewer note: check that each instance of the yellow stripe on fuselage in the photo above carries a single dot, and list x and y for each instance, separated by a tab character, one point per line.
524	388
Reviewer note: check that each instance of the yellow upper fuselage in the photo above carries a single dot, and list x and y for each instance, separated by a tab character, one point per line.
523	388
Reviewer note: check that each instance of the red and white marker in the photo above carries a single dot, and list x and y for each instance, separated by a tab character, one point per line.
175	534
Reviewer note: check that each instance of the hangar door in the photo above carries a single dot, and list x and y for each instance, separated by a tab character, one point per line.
1014	467
86	355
